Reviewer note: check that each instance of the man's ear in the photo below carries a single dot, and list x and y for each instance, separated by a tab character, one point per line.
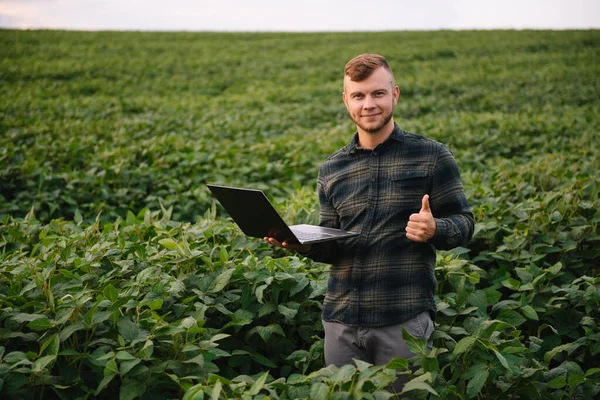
345	99
396	94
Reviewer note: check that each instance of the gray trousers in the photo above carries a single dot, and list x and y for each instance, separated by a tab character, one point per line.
374	345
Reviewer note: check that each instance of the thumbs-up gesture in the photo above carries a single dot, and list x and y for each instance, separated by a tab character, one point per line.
421	226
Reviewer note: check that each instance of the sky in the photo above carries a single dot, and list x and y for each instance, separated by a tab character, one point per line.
298	15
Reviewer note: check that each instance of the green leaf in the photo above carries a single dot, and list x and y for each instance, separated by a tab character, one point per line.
170	244
70	329
41	363
198	360
129	330
146	351
478	299
125	356
155	304
556	216
111	293
575	380
550	354
501	358
266	332
190	347
111	368
377	395
418	385
219	336
555	269
511	283
492	295
398	363
188	323
101	316
343	374
319	391
216	392
463	345
78	218
223	255
104	383
361	365
41	324
431	364
450	312
52	345
512	317
300	285
126	366
131	389
239	318
530	313
416	346
298	355
591	371
259	384
526	287
259	358
287	312
468	310
63	315
557	383
259	293
475	370
475	384
222	280
131	219
544	326
474	278
24	317
196	392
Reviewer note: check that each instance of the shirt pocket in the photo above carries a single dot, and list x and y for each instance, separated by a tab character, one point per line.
407	188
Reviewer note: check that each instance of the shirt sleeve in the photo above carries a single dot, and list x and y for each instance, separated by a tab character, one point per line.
326	252
449	205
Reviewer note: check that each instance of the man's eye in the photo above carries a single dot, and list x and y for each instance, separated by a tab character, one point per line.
357	96
379	94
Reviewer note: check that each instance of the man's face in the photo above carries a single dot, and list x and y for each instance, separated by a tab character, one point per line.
371	102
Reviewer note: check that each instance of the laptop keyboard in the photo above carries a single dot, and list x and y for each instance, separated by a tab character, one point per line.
310	235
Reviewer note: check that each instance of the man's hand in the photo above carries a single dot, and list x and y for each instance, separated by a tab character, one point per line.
296	247
421	226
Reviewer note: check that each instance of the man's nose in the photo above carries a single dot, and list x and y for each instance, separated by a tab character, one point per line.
368	103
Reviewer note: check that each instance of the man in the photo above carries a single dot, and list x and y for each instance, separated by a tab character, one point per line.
403	193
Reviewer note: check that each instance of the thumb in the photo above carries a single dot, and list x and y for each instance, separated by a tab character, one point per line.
425	205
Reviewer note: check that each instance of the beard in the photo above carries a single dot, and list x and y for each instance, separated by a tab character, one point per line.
373	129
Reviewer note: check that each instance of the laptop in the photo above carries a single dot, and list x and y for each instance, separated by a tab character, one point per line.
255	215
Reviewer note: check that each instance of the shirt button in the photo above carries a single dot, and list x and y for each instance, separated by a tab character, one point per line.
373	179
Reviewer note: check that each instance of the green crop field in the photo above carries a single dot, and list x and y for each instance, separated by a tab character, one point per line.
121	277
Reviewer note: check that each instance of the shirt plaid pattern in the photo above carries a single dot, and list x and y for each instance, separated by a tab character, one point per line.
380	277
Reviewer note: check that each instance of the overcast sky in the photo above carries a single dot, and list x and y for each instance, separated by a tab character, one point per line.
299	15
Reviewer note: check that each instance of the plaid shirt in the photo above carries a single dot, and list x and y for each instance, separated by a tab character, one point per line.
380	277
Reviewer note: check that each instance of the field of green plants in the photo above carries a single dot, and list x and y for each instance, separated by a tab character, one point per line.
121	277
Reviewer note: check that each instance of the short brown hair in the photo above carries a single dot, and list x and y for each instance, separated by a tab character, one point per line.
362	66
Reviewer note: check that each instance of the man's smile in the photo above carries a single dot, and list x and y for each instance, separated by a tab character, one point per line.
371	115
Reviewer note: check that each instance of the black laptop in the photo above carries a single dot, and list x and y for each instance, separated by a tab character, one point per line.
255	215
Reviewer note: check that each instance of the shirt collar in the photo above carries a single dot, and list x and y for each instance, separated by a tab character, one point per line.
397	135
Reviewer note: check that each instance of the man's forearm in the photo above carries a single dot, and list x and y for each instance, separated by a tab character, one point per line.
453	231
